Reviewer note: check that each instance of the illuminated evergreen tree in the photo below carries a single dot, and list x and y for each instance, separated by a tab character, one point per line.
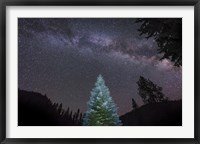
101	111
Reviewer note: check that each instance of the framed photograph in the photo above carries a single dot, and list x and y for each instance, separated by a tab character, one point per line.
99	72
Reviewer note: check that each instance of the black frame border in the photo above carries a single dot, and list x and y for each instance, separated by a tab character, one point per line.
4	3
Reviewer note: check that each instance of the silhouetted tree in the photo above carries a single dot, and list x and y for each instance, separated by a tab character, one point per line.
59	109
101	111
167	32
67	112
149	91
134	104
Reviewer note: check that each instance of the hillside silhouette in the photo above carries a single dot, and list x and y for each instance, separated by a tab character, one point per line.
166	113
35	109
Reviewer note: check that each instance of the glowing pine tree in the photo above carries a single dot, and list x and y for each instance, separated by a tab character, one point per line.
101	111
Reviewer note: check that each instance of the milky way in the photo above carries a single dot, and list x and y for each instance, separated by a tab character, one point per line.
63	57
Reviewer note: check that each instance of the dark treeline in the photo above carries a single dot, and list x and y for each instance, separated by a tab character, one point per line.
35	109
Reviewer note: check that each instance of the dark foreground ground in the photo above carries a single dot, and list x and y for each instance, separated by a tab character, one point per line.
167	113
35	109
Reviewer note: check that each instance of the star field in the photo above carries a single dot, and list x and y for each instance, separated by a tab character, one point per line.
63	57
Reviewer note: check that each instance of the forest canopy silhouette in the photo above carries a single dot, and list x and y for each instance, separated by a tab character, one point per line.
167	32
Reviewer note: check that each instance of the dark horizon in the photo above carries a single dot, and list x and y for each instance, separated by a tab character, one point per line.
63	57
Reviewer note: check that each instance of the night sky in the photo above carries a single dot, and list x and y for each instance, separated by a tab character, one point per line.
63	57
